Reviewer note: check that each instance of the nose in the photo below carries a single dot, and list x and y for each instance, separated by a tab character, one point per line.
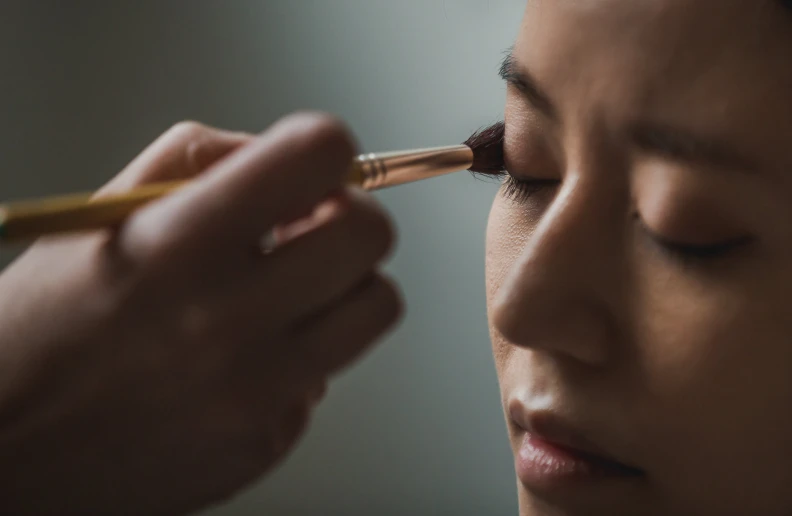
562	296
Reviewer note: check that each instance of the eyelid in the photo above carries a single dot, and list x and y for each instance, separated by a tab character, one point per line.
695	251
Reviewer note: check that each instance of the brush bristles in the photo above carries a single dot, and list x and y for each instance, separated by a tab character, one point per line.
487	145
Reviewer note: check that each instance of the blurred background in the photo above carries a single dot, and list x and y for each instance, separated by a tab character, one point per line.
416	427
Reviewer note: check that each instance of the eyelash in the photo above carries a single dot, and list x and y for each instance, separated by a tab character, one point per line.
692	253
520	190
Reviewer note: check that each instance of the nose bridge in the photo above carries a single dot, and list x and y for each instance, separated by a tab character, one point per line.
584	220
567	247
562	291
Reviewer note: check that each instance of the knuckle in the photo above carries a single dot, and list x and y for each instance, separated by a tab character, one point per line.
374	227
295	423
198	154
296	419
281	429
206	147
366	227
389	300
188	130
192	140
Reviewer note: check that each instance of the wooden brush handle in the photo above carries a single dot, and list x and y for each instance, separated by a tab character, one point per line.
78	212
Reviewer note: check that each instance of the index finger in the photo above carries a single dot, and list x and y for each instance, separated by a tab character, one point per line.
286	170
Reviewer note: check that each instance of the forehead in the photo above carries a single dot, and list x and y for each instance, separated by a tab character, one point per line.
724	66
739	22
667	38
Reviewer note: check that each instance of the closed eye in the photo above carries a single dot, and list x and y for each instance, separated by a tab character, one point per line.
520	190
694	252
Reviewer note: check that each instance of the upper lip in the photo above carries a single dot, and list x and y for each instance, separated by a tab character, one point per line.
551	428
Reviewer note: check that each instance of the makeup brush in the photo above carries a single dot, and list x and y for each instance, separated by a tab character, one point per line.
27	220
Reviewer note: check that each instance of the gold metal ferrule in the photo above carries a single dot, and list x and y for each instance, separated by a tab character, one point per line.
382	170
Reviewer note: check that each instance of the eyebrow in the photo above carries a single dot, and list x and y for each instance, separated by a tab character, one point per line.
680	145
658	139
523	81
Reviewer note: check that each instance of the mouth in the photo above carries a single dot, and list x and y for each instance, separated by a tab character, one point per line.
553	454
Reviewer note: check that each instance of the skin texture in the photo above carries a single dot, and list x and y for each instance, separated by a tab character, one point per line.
161	368
678	366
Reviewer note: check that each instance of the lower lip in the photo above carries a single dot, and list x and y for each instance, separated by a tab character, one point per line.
543	465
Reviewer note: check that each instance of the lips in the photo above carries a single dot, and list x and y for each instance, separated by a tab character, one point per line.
553	453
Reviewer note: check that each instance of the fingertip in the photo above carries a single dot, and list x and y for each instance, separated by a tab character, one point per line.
321	134
186	130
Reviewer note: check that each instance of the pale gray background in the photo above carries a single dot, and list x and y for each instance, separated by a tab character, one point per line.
416	428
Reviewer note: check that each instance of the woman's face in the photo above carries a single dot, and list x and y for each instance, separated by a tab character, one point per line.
639	260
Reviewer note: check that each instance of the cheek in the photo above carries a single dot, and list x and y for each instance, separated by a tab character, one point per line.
507	233
510	227
713	359
697	329
679	333
506	237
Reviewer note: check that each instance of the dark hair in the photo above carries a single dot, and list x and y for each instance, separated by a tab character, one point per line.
787	3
